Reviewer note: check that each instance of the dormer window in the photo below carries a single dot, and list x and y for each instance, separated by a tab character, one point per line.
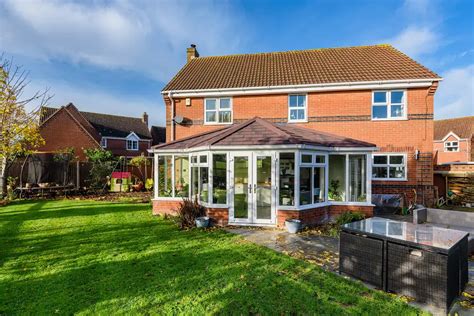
218	111
451	146
132	142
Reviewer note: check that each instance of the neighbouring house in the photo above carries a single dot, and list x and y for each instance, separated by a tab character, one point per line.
454	157
67	127
158	135
261	138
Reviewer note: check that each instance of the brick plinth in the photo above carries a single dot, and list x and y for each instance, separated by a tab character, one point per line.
309	217
161	207
219	216
336	210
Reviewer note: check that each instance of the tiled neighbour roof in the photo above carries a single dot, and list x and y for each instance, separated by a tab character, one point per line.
106	124
462	126
317	66
158	134
258	131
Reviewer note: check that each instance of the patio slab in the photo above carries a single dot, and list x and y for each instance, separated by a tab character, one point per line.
324	252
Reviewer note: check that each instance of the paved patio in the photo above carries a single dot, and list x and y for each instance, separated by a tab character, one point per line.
324	252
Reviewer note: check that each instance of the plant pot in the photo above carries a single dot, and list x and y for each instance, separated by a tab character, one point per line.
202	222
293	225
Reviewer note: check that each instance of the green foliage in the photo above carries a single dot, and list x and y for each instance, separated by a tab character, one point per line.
188	211
101	258
349	217
103	163
11	185
333	191
149	184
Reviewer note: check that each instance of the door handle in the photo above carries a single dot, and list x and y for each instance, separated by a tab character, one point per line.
250	188
254	188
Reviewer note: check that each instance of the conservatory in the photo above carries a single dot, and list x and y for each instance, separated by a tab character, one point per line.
261	173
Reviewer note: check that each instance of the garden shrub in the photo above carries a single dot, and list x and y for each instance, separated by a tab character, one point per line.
188	211
349	217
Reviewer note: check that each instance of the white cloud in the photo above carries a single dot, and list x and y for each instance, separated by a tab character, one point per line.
455	96
415	41
148	37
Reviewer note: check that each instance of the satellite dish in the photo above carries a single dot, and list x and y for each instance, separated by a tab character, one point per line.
178	119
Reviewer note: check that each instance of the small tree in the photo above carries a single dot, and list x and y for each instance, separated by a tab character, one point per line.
103	163
64	157
139	162
19	129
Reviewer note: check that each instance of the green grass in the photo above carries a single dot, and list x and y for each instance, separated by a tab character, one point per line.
88	257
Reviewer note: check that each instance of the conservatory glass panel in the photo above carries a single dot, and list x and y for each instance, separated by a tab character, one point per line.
287	179
219	179
319	180
305	185
337	178
165	188
204	184
357	178
181	176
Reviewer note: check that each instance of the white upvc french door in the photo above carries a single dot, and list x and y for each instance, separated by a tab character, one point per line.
252	179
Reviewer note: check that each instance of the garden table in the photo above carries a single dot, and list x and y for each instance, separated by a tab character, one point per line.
425	262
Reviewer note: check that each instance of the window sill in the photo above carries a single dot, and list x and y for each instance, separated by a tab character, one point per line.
390	119
389	179
296	122
211	123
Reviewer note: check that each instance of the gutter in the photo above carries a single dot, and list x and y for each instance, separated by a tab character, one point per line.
170	96
361	85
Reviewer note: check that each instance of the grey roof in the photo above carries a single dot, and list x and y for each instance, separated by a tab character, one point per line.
258	131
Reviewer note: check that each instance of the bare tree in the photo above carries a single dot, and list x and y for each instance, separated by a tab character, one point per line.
19	127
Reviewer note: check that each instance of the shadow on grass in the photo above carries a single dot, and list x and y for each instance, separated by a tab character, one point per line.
134	263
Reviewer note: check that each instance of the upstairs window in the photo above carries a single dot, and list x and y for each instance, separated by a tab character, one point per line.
388	105
132	144
451	146
218	111
389	167
297	109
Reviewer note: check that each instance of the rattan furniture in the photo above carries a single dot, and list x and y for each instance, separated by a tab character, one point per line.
421	261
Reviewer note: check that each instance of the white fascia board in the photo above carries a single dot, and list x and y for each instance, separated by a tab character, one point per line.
264	147
363	85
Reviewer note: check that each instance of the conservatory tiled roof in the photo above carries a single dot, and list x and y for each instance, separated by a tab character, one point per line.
258	131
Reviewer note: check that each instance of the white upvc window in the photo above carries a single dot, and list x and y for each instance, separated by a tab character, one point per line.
312	186
297	108
103	142
218	111
451	146
132	144
389	105
389	167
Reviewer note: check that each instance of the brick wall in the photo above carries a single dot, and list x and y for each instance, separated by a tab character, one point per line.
219	216
61	131
345	113
162	207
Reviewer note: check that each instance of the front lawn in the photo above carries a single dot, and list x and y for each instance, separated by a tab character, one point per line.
99	257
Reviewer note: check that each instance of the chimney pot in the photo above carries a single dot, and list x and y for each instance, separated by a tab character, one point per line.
191	53
145	118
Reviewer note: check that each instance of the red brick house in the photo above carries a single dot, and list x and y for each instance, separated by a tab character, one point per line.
453	140
301	134
454	157
67	127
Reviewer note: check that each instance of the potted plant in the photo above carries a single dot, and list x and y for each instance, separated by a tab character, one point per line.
293	225
202	222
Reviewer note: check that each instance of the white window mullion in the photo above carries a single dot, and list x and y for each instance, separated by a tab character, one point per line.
155	175
346	198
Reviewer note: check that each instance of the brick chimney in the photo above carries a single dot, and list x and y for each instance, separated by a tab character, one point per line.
145	118
191	53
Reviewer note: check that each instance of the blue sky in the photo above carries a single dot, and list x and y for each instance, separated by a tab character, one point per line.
116	56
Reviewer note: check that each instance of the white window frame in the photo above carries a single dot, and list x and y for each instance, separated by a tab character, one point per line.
305	108
388	165
313	164
103	142
388	104
132	141
217	110
450	144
